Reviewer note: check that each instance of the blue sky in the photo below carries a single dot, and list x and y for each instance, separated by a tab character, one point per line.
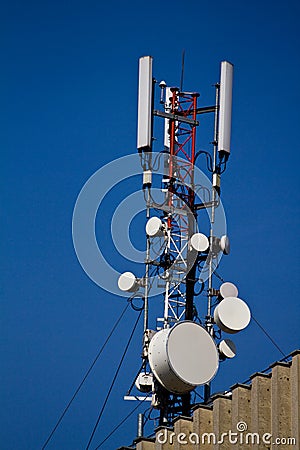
69	105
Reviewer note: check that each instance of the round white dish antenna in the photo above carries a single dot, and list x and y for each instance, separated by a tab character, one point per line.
227	348
225	244
232	315
228	289
199	242
154	227
127	282
183	357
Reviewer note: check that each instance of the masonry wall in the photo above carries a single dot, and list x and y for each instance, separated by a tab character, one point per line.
270	405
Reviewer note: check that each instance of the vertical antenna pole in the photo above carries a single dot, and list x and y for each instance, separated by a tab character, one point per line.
182	70
147	261
215	143
140	427
146	283
209	326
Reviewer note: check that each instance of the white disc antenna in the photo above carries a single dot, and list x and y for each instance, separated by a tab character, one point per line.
155	227
232	315
128	282
228	289
227	348
199	242
225	244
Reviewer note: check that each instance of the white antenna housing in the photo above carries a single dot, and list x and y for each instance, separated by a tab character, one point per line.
144	130
227	348
199	242
232	315
144	382
228	289
225	244
225	106
128	282
155	227
183	357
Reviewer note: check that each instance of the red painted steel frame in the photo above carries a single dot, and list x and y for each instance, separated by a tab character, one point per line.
183	146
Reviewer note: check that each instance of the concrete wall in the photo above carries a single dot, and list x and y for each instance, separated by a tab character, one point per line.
270	404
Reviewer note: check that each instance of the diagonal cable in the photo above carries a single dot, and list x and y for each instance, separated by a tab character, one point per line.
84	378
121	423
113	382
267	334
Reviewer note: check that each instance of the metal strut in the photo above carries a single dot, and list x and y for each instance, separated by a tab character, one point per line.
181	223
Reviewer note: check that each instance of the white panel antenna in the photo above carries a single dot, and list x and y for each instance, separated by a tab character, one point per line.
144	130
225	106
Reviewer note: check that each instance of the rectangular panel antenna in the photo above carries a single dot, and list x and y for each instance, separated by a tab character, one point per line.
225	103
144	130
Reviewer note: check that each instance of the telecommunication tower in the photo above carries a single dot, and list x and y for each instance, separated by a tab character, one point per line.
183	352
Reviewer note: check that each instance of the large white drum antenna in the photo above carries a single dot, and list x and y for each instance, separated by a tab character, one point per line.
183	357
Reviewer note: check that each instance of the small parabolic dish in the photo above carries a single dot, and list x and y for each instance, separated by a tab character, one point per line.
232	315
199	242
183	357
225	244
228	289
127	282
154	227
227	348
